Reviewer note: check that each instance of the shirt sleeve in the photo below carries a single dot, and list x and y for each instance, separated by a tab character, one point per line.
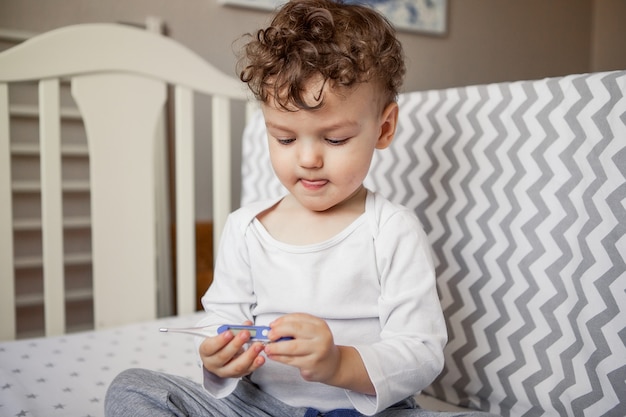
409	355
230	296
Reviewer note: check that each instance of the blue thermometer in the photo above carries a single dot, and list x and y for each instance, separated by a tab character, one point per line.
257	333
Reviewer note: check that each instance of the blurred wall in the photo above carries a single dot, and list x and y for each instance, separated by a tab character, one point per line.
608	41
486	40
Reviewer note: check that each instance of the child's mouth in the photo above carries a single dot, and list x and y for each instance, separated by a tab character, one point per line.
313	184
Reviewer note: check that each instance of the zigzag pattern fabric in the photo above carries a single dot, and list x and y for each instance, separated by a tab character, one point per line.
258	181
521	188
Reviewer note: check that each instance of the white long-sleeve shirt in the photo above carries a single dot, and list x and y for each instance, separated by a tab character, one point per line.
373	283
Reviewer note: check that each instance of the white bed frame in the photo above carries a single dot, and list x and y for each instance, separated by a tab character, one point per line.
119	77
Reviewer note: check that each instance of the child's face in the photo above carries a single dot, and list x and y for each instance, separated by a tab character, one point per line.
322	156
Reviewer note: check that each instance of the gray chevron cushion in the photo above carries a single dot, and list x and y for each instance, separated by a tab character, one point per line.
521	188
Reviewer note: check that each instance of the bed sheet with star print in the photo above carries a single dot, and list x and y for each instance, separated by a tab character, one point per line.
68	375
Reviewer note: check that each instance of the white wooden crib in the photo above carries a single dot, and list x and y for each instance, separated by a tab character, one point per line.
119	78
123	81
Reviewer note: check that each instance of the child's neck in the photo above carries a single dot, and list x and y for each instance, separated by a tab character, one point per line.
291	223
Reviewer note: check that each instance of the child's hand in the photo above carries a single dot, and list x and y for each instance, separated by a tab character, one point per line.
313	349
224	355
314	353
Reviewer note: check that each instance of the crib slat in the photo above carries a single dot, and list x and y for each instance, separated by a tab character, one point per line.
120	114
185	208
7	282
221	166
51	207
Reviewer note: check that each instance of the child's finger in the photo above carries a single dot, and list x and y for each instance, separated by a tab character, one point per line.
211	345
299	326
234	346
244	364
219	350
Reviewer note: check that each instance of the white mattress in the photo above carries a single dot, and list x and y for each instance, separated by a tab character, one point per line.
68	375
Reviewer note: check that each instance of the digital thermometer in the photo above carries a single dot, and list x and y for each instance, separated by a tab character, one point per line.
257	333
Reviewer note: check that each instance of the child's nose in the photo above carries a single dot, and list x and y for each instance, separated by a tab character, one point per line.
310	156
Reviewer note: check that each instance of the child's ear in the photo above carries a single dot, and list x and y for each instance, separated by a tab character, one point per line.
389	122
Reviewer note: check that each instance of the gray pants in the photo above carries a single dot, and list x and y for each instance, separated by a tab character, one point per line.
139	393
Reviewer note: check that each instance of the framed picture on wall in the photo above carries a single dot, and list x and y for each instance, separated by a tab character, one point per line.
427	16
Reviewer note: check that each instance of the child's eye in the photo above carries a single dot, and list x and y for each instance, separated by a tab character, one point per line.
336	142
285	141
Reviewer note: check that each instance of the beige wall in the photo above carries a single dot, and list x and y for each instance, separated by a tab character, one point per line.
487	40
490	41
608	49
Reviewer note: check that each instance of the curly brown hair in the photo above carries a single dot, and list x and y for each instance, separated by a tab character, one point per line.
343	44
